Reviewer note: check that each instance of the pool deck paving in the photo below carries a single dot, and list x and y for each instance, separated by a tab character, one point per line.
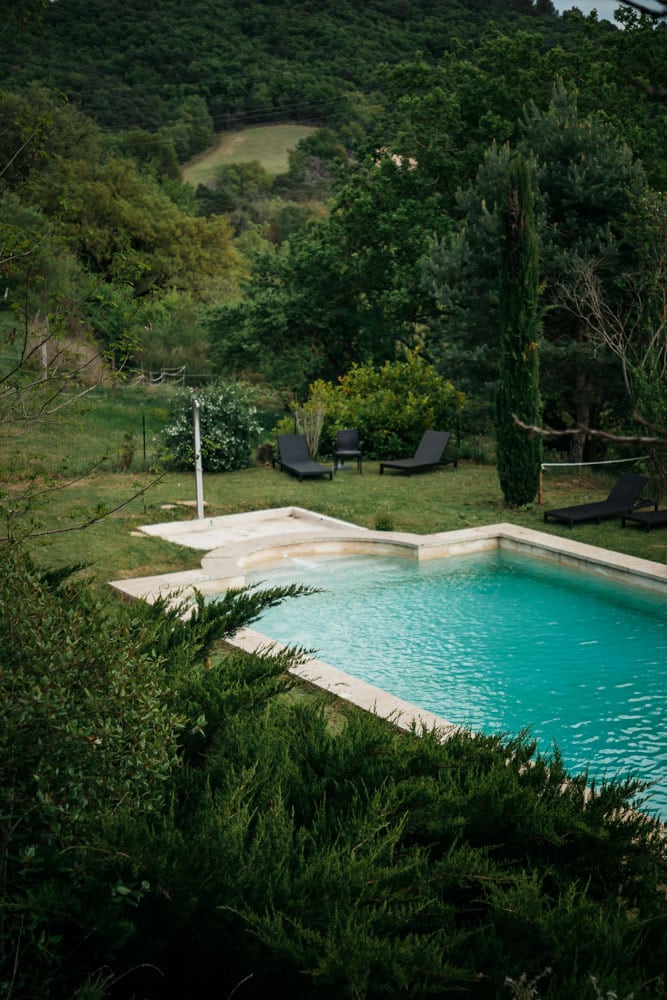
235	544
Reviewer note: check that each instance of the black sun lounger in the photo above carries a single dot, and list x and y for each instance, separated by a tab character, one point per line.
647	519
294	457
624	497
429	453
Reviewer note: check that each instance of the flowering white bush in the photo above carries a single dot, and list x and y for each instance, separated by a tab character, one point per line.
228	426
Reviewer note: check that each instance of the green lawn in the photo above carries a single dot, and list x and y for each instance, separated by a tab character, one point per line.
269	144
124	424
443	500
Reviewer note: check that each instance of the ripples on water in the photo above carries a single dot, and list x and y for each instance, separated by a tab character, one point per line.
498	643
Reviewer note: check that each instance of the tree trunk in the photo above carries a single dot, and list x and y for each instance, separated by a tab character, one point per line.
582	417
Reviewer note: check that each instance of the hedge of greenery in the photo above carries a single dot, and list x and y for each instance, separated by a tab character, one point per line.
175	823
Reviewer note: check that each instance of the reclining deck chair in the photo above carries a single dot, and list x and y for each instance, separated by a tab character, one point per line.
624	497
429	453
294	457
647	519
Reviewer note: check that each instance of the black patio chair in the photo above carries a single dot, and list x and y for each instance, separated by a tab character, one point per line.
294	457
347	446
624	497
428	455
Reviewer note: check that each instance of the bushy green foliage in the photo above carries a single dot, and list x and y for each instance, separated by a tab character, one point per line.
99	708
216	831
391	405
236	191
173	334
84	731
228	427
365	863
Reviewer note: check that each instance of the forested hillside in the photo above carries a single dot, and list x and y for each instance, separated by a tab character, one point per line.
132	64
382	235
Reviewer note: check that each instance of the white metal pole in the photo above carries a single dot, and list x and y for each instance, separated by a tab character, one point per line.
199	482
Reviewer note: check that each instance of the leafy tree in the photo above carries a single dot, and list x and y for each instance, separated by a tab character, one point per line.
296	322
124	227
312	165
193	130
589	194
627	72
153	151
382	221
288	218
37	127
518	454
237	190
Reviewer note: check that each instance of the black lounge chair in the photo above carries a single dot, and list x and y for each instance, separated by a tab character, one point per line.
647	519
429	453
294	457
347	446
624	497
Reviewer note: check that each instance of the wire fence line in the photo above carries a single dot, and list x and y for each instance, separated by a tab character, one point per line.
606	461
164	375
578	466
171	376
142	376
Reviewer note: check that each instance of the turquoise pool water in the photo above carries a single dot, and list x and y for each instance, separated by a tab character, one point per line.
497	643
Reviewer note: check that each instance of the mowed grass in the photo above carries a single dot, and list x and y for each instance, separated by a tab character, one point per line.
443	500
269	144
67	456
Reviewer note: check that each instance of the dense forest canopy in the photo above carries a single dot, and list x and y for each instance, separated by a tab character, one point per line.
131	64
373	242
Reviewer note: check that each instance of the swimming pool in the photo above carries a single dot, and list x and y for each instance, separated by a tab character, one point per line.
498	642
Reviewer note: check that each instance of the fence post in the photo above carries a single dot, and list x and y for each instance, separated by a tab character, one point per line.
199	484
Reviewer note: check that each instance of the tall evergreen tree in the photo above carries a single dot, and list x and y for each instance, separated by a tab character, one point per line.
518	454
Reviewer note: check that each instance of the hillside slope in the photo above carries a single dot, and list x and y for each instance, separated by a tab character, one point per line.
131	63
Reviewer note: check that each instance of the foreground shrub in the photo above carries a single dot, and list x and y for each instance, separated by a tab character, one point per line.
305	859
229	428
95	719
226	837
84	731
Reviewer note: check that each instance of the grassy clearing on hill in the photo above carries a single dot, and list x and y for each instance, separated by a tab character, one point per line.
269	144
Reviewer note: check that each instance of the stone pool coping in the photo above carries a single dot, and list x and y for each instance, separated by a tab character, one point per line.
236	544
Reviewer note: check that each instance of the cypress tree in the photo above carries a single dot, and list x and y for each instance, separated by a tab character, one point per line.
518	453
